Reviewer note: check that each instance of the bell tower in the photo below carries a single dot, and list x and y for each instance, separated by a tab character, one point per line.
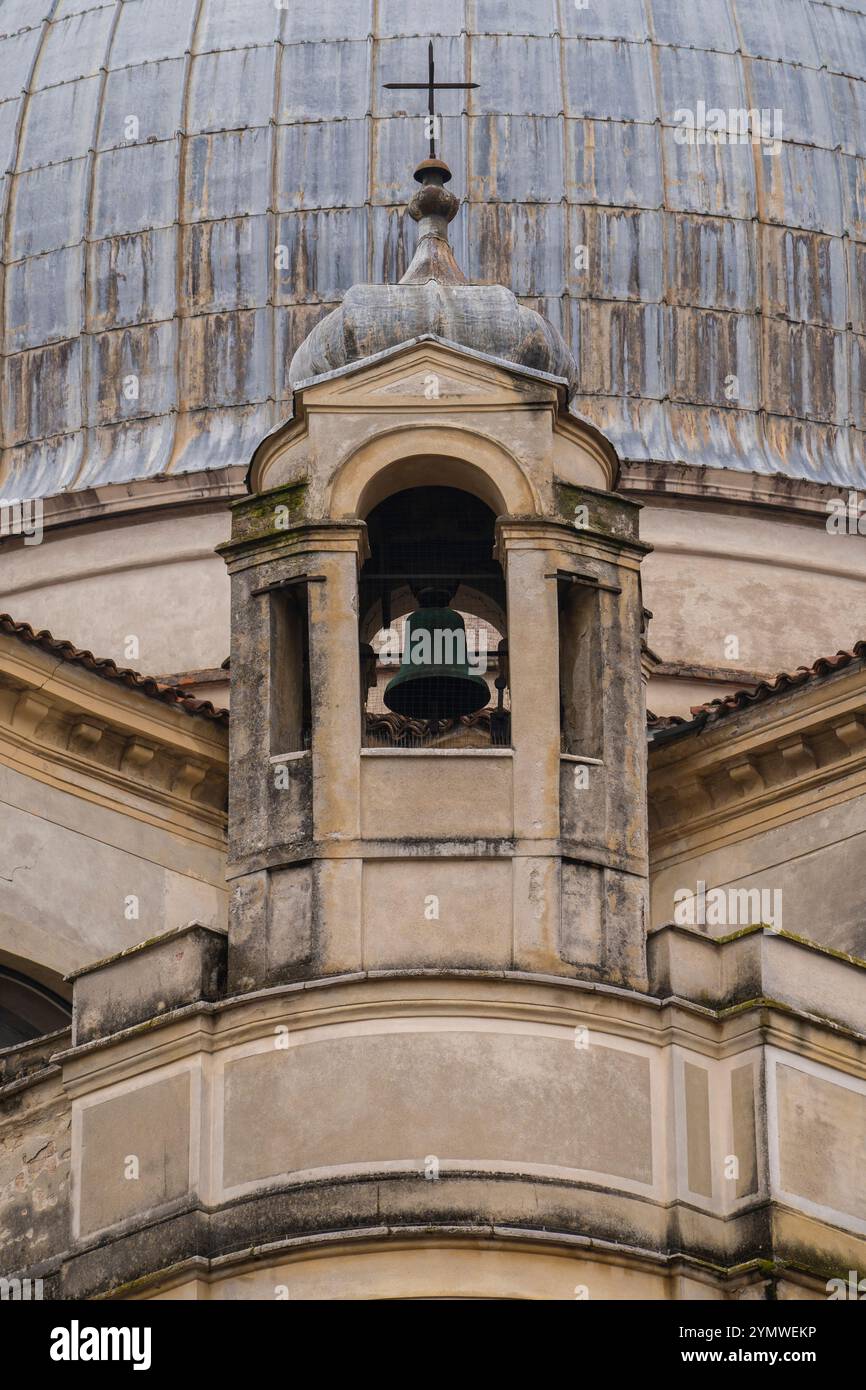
437	1051
438	827
438	756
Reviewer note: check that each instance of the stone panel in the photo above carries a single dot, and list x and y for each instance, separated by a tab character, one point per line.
428	912
432	796
696	1082
822	1141
150	1124
743	1122
471	1096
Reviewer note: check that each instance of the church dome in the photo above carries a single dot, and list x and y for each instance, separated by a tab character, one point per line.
192	185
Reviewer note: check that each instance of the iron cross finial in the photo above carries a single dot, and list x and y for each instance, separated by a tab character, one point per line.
431	86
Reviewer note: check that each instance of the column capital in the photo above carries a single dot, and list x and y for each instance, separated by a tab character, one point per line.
542	533
277	542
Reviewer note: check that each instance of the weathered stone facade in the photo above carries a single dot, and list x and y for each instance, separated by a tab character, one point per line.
507	1017
545	1089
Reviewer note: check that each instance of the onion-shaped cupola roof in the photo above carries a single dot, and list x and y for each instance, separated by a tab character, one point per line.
433	297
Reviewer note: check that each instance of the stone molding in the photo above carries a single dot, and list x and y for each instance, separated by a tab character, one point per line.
77	729
769	763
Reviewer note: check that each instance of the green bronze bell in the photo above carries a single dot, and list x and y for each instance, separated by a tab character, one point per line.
434	680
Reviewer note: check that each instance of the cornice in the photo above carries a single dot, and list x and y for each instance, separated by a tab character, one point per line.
715	487
211	487
782	759
105	742
554	534
357	1000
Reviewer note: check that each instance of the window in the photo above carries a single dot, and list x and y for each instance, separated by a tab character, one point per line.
27	1009
290	710
580	668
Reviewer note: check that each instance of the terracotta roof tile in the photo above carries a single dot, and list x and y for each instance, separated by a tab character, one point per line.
174	695
654	722
102	666
781	684
663	728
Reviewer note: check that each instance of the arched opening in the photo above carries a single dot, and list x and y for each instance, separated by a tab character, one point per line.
412	472
407	457
28	1008
433	624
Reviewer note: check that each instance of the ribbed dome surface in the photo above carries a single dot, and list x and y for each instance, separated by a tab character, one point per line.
161	152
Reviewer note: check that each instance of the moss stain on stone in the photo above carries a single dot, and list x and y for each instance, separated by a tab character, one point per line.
266	513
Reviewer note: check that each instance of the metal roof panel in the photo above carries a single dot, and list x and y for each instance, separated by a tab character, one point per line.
231	90
131	372
615	19
516	74
134	189
59	123
48	207
225	24
613	163
325	254
16	15
225	265
74	47
227	174
516	160
151	29
782	30
16	59
324	164
841	38
42	392
399	17
328	19
690	25
132	278
142	103
517	17
43	299
678	236
311	71
609	79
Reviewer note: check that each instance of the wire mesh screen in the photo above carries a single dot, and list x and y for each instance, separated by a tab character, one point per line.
432	599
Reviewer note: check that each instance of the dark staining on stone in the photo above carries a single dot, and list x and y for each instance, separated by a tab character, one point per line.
612	516
41	395
255	518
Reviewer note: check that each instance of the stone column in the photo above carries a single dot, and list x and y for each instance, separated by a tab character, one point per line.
295	811
336	753
533	646
580	857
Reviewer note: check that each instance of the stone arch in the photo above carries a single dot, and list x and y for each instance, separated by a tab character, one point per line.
34	1001
33	961
424	455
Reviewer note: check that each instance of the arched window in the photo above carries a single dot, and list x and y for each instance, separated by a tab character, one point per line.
28	1009
433	624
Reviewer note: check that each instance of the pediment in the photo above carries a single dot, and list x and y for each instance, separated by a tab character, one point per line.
429	383
426	374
